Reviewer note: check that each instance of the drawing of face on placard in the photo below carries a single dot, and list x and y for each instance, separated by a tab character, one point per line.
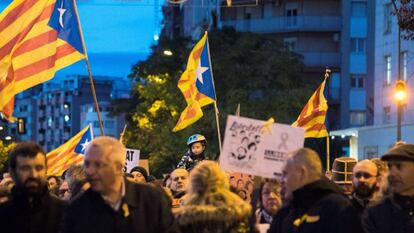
244	144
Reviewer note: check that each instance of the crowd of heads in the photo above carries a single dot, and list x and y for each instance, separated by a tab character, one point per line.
205	183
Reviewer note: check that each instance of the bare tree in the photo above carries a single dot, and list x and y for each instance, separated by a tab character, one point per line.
405	15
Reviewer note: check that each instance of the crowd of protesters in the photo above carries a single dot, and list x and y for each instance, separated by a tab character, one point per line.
372	196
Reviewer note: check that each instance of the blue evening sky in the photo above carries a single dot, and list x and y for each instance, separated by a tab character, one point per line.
118	33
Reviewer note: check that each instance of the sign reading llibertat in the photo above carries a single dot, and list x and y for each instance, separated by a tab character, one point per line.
258	148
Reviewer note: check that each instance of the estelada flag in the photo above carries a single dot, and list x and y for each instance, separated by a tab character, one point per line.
70	153
196	84
38	37
313	115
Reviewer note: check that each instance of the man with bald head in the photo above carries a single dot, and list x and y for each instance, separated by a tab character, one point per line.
113	204
364	182
179	184
315	204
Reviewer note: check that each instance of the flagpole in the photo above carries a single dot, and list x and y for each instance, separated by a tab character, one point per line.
328	163
238	110
95	99
328	156
121	137
215	102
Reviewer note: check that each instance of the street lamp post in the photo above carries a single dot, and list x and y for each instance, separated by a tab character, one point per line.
400	95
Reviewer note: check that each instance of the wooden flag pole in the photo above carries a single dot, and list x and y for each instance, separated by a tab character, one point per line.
328	162
328	156
95	99
238	110
121	136
216	111
218	124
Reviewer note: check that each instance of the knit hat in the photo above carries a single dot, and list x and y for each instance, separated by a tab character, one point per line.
140	170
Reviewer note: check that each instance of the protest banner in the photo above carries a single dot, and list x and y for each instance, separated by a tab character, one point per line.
132	159
257	148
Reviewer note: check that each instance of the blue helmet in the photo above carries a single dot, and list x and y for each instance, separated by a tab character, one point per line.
196	138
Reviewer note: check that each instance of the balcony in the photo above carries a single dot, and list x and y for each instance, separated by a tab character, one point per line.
286	24
321	59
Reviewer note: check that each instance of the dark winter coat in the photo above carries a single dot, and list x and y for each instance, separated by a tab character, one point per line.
144	209
392	214
318	207
189	160
40	214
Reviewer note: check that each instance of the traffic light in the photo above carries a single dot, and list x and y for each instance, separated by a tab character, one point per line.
21	125
400	90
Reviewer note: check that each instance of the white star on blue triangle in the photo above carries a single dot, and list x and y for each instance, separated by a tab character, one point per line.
85	140
204	80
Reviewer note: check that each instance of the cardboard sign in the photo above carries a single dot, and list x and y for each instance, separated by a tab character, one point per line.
257	148
132	159
243	184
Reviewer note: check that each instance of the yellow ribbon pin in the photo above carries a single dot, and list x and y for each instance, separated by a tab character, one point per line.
125	208
307	218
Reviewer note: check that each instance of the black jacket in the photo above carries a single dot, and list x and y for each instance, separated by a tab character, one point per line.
190	160
144	209
319	207
391	214
42	214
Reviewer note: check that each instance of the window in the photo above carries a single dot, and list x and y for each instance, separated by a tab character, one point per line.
291	17
357	118
290	43
96	124
358	9
404	65
357	81
387	18
388	70
49	121
358	45
109	124
23	108
386	118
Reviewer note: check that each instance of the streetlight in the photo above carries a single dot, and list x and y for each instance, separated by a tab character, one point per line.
168	52
400	95
400	92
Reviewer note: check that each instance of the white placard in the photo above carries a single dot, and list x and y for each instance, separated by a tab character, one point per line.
252	147
132	159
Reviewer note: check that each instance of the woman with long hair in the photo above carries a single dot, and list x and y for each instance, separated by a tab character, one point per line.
209	205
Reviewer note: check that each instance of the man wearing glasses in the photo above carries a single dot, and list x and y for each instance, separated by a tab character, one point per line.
364	182
395	213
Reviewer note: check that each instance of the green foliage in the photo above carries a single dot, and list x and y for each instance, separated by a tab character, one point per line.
254	70
4	154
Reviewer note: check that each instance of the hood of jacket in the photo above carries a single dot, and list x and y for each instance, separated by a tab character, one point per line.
193	214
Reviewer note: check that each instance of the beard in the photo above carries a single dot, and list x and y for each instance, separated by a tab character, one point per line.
364	191
33	186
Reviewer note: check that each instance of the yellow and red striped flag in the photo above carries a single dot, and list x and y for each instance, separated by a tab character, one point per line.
70	153
38	37
196	84
313	115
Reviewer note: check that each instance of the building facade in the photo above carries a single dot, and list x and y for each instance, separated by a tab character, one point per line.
53	112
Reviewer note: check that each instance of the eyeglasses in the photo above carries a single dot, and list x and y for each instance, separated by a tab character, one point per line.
366	175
